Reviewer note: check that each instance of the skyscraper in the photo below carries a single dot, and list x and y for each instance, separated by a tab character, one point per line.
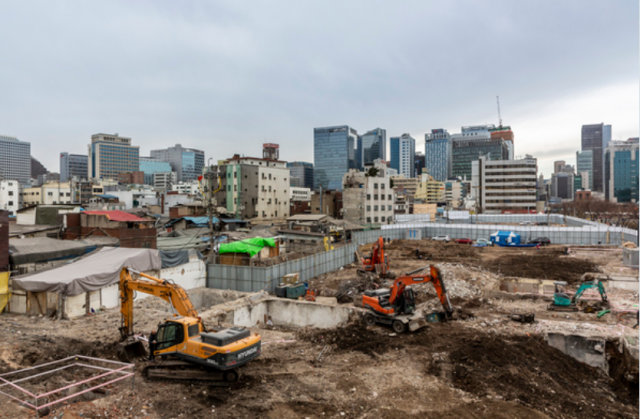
584	163
558	165
437	152
109	155
419	165
374	146
15	159
621	171
73	165
334	153
596	137
507	135
403	155
301	174
465	151
186	162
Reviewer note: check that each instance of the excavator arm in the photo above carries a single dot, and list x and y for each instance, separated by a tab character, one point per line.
172	293
408	279
588	285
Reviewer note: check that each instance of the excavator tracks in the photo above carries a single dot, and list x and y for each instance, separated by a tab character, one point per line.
184	371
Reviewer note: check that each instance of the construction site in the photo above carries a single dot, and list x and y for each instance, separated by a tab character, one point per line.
391	328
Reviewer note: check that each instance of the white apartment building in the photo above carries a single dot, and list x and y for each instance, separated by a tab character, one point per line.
48	194
165	180
300	194
368	199
500	185
10	196
190	188
254	188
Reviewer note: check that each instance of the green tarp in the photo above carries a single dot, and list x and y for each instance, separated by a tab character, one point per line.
251	246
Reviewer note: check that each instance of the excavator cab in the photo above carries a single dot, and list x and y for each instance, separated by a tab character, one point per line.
408	301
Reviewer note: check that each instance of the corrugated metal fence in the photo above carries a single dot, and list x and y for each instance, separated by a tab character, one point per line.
253	279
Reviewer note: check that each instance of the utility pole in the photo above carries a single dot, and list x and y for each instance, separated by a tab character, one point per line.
210	176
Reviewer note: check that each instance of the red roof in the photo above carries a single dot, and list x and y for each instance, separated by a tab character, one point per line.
116	215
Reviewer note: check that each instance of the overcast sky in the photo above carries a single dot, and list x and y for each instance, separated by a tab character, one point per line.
226	77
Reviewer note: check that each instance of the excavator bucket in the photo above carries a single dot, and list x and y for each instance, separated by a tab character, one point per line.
131	349
417	324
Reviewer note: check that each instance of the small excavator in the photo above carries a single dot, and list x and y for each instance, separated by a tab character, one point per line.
183	348
562	302
377	261
395	306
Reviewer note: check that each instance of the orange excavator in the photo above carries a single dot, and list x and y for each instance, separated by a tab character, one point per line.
377	261
395	306
183	348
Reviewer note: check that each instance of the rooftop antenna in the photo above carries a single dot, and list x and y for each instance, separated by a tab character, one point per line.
499	117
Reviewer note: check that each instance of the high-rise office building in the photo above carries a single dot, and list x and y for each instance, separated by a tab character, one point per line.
15	159
374	146
73	165
562	185
301	175
584	163
558	165
109	155
150	166
507	135
403	155
437	152
186	162
465	151
596	137
419	163
621	171
334	153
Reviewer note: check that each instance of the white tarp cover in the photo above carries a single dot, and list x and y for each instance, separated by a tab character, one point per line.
91	273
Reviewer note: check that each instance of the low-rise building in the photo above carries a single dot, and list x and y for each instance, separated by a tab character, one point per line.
410	185
166	180
505	185
130	230
131	178
10	196
300	194
429	190
328	202
190	188
49	193
367	197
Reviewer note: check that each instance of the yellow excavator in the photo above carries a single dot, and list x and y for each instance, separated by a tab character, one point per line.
183	348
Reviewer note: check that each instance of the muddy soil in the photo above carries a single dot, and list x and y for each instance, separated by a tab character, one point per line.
520	369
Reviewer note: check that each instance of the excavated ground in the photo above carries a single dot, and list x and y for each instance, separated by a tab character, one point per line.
485	367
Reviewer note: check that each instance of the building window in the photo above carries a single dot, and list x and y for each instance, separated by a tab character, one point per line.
375	186
375	219
389	207
375	208
369	220
10	193
235	175
382	219
389	197
368	207
382	187
50	194
375	197
368	197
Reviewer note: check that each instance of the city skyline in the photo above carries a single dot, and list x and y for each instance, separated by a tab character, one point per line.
225	78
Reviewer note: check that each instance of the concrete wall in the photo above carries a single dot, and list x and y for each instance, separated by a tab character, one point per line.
291	313
589	350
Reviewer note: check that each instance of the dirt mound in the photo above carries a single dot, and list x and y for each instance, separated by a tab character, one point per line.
353	337
541	265
39	351
431	250
528	371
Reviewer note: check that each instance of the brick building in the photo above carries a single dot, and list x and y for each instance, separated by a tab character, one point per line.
300	207
127	178
190	209
132	231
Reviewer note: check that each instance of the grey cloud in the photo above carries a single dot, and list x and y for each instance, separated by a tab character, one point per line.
227	76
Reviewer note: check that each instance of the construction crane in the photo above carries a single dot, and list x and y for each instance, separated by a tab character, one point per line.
499	116
182	347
